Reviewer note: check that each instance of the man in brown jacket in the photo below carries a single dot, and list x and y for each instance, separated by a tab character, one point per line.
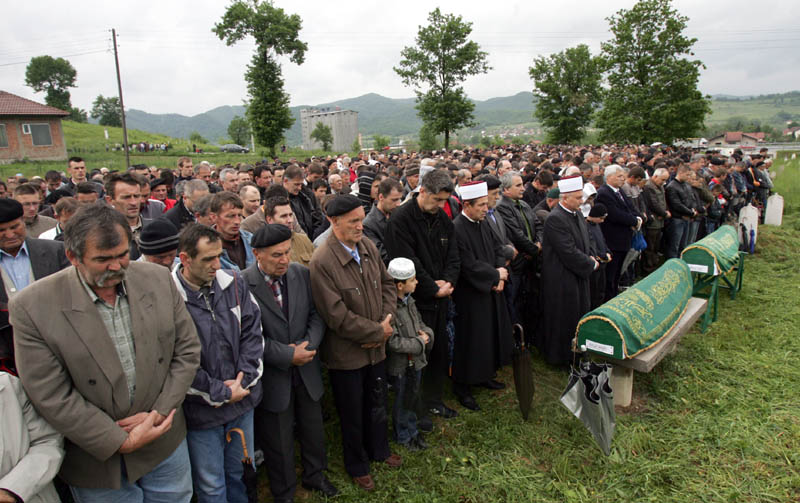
106	352
356	298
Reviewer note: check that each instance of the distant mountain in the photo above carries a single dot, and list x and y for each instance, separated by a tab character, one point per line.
376	115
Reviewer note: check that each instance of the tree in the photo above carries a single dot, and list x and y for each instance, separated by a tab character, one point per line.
196	137
322	134
54	76
380	142
107	110
652	93
441	60
567	85
239	130
428	139
355	148
78	115
275	34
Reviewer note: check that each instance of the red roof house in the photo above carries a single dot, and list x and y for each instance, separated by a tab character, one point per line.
30	130
737	138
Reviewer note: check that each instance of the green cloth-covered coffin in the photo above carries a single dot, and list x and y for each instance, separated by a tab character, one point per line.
715	254
639	317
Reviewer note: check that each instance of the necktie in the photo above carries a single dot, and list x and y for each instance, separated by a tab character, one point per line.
276	291
619	195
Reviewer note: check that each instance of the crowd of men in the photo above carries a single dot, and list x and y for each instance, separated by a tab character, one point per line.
165	324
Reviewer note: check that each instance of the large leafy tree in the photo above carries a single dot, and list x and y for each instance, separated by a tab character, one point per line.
239	130
567	85
323	135
276	34
436	66
54	77
652	94
107	110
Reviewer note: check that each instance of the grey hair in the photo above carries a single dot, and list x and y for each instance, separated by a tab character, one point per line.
507	179
203	205
611	170
437	181
223	175
99	221
661	172
192	186
201	164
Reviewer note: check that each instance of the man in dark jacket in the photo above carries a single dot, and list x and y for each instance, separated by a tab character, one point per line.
420	230
680	199
293	332
305	207
227	385
181	214
390	192
525	234
619	225
656	203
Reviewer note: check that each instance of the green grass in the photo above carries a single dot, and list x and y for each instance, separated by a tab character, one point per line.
88	141
717	421
762	109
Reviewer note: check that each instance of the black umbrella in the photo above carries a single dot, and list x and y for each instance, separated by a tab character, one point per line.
249	477
523	373
589	398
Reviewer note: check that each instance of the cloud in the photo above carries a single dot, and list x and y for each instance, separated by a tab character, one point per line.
171	61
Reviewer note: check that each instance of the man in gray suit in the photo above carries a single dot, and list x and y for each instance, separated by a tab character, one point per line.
107	351
292	378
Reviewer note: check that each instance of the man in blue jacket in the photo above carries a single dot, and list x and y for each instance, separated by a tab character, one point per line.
226	388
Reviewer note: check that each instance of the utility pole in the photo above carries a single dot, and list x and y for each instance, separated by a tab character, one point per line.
121	104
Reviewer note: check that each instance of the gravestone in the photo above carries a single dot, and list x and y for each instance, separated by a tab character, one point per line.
748	226
774	215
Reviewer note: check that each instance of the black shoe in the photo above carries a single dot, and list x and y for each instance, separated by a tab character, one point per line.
324	487
420	442
443	410
469	402
493	384
424	424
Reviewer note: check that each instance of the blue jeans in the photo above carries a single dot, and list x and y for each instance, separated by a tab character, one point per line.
694	227
404	421
217	464
169	482
676	234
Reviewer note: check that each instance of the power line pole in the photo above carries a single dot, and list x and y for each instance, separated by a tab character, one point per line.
121	104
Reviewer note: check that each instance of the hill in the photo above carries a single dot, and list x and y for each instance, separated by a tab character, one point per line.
376	115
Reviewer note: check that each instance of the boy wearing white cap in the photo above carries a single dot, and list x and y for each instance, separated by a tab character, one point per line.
406	356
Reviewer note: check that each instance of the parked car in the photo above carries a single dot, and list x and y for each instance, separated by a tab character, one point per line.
232	147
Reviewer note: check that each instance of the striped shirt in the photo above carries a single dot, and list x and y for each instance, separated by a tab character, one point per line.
117	319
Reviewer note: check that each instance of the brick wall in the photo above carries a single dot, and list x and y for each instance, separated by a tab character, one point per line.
21	146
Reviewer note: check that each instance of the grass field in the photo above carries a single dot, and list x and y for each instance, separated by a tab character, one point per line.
765	110
717	421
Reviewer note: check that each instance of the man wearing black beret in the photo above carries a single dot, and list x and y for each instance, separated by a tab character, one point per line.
23	260
293	332
355	296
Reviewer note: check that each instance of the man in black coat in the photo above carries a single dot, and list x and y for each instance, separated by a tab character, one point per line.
566	268
23	260
292	374
483	339
420	230
619	225
390	192
181	214
681	202
304	206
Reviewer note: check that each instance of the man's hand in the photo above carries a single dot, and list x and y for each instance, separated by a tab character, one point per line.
515	253
146	431
445	289
499	287
423	336
503	273
6	497
130	422
386	324
301	354
669	215
237	392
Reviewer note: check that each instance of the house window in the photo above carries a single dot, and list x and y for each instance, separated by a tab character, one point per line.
40	134
3	136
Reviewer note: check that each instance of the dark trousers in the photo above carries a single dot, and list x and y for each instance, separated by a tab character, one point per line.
277	432
653	238
360	397
434	374
613	272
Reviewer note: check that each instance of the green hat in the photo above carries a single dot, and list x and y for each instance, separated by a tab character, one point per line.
553	193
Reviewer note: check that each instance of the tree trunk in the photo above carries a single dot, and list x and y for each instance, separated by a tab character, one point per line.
446	139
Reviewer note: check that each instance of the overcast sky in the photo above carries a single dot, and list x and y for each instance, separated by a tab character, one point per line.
171	62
